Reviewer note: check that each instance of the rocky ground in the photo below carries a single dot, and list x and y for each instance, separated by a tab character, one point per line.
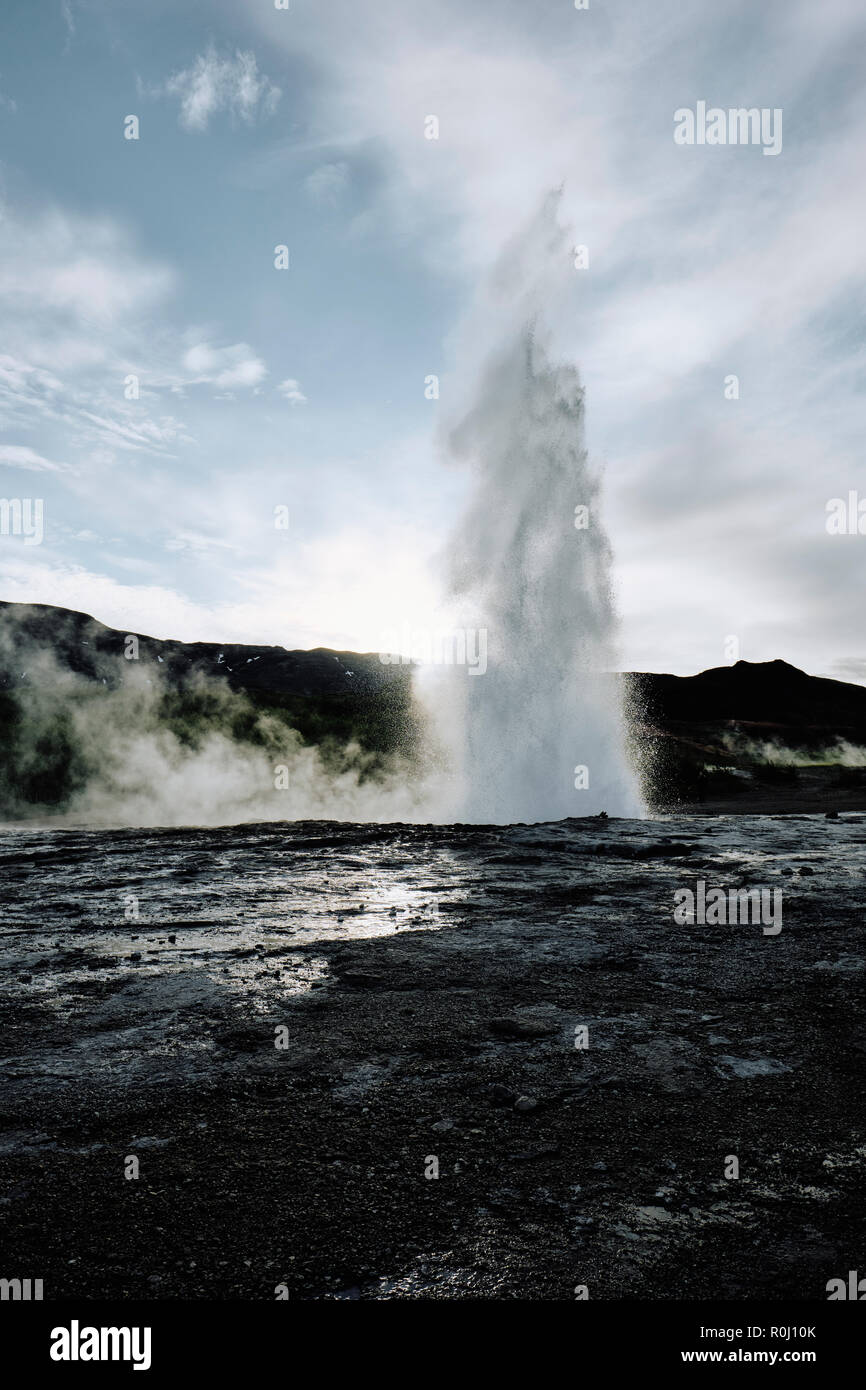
431	981
813	791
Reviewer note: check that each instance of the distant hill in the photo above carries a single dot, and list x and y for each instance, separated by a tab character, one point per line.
717	737
757	735
770	693
89	648
72	689
771	697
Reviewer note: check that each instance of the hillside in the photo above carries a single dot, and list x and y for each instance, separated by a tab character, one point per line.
728	737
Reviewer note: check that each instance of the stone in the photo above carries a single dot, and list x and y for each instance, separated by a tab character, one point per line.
511	1027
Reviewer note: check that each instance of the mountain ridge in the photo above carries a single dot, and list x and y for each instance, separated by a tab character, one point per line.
776	687
720	737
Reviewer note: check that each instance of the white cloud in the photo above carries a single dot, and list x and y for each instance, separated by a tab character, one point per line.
226	367
87	345
31	397
154	609
291	390
78	269
702	263
345	590
198	543
20	456
214	83
327	184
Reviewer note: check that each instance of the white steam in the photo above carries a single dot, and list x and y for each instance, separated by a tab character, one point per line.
531	729
540	734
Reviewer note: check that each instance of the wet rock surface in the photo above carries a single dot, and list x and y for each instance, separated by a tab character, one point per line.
515	1008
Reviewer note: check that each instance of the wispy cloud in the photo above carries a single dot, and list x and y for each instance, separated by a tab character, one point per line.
89	344
327	184
21	456
214	83
78	269
198	543
226	367
290	390
69	20
702	263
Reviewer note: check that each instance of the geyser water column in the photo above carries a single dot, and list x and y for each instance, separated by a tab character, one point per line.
539	735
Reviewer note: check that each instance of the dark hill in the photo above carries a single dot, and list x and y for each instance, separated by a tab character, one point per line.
751	692
765	692
89	648
724	735
62	671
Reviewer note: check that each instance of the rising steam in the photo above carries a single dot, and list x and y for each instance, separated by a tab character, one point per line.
540	735
532	733
130	749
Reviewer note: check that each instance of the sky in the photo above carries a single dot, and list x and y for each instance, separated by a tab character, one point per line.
164	386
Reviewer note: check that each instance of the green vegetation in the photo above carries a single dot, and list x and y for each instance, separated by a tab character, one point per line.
55	738
42	761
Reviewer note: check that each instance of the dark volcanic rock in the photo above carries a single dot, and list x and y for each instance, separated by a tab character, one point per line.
522	1027
309	1166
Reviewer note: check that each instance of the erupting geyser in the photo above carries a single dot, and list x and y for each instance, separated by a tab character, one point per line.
539	735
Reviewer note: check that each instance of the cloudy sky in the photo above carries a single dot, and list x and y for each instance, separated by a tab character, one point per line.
154	259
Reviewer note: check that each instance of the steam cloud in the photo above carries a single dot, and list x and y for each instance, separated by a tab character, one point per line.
522	570
128	750
502	748
840	753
